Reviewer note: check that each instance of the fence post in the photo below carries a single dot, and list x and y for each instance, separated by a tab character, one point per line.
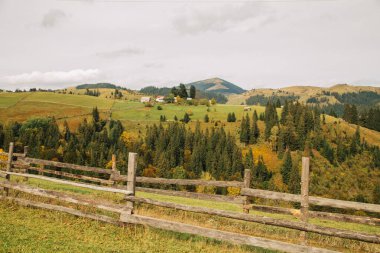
305	195
247	183
26	149
9	165
113	162
131	182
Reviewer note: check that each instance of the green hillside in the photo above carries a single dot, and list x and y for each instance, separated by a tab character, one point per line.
217	85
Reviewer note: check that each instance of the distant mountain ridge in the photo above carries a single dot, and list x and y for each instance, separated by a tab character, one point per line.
217	85
99	86
306	94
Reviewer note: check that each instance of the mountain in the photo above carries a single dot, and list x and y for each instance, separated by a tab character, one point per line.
99	86
217	85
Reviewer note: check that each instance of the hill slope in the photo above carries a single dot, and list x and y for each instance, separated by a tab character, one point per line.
304	93
217	85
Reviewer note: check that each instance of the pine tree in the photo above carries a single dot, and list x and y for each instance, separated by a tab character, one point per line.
249	161
255	132
95	114
233	117
186	118
286	167
294	184
206	119
278	103
182	91
192	91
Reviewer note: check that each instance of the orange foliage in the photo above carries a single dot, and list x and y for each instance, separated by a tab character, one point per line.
150	171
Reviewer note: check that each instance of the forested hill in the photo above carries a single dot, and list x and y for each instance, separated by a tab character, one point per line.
217	85
99	86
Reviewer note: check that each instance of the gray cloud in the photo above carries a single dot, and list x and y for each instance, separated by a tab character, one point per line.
153	65
52	78
218	19
52	18
130	51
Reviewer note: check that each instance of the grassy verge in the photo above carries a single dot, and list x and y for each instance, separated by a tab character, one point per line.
32	230
209	221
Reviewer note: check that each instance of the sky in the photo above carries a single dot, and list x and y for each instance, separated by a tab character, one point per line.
136	43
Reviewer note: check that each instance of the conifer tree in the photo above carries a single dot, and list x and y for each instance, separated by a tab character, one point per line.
206	119
95	114
249	160
186	118
286	167
192	91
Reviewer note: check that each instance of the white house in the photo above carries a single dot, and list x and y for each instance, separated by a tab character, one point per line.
160	99
145	99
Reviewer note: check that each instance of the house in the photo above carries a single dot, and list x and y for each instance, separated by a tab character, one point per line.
160	99
145	99
189	99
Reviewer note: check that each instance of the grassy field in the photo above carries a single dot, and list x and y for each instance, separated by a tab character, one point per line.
59	228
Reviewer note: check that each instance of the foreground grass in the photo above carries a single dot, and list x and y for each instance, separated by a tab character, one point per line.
254	229
32	230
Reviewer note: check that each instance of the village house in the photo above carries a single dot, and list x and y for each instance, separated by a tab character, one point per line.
145	99
160	99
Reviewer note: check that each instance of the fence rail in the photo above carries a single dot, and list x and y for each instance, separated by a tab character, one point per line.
126	211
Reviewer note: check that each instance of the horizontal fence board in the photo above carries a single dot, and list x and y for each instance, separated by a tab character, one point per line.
194	195
231	237
70	175
317	214
264	220
14	154
101	204
154	180
60	181
312	200
68	210
67	165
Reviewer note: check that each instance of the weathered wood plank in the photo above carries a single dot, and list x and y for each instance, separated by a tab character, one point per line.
153	180
315	214
234	238
60	181
101	204
70	175
194	195
265	220
66	165
131	180
312	200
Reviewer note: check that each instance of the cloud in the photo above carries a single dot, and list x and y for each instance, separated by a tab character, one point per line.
52	18
218	19
51	78
121	52
153	65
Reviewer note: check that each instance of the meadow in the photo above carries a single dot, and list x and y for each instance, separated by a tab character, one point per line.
45	230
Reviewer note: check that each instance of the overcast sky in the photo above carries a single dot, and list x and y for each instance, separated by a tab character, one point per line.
135	43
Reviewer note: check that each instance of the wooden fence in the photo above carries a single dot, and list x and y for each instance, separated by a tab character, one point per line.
18	164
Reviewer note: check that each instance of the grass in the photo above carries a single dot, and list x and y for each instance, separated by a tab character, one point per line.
32	230
253	229
10	99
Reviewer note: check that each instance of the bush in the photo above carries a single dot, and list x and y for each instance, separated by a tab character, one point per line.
159	107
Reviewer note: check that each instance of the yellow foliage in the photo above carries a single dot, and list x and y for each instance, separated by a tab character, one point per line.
233	191
109	165
206	189
129	138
